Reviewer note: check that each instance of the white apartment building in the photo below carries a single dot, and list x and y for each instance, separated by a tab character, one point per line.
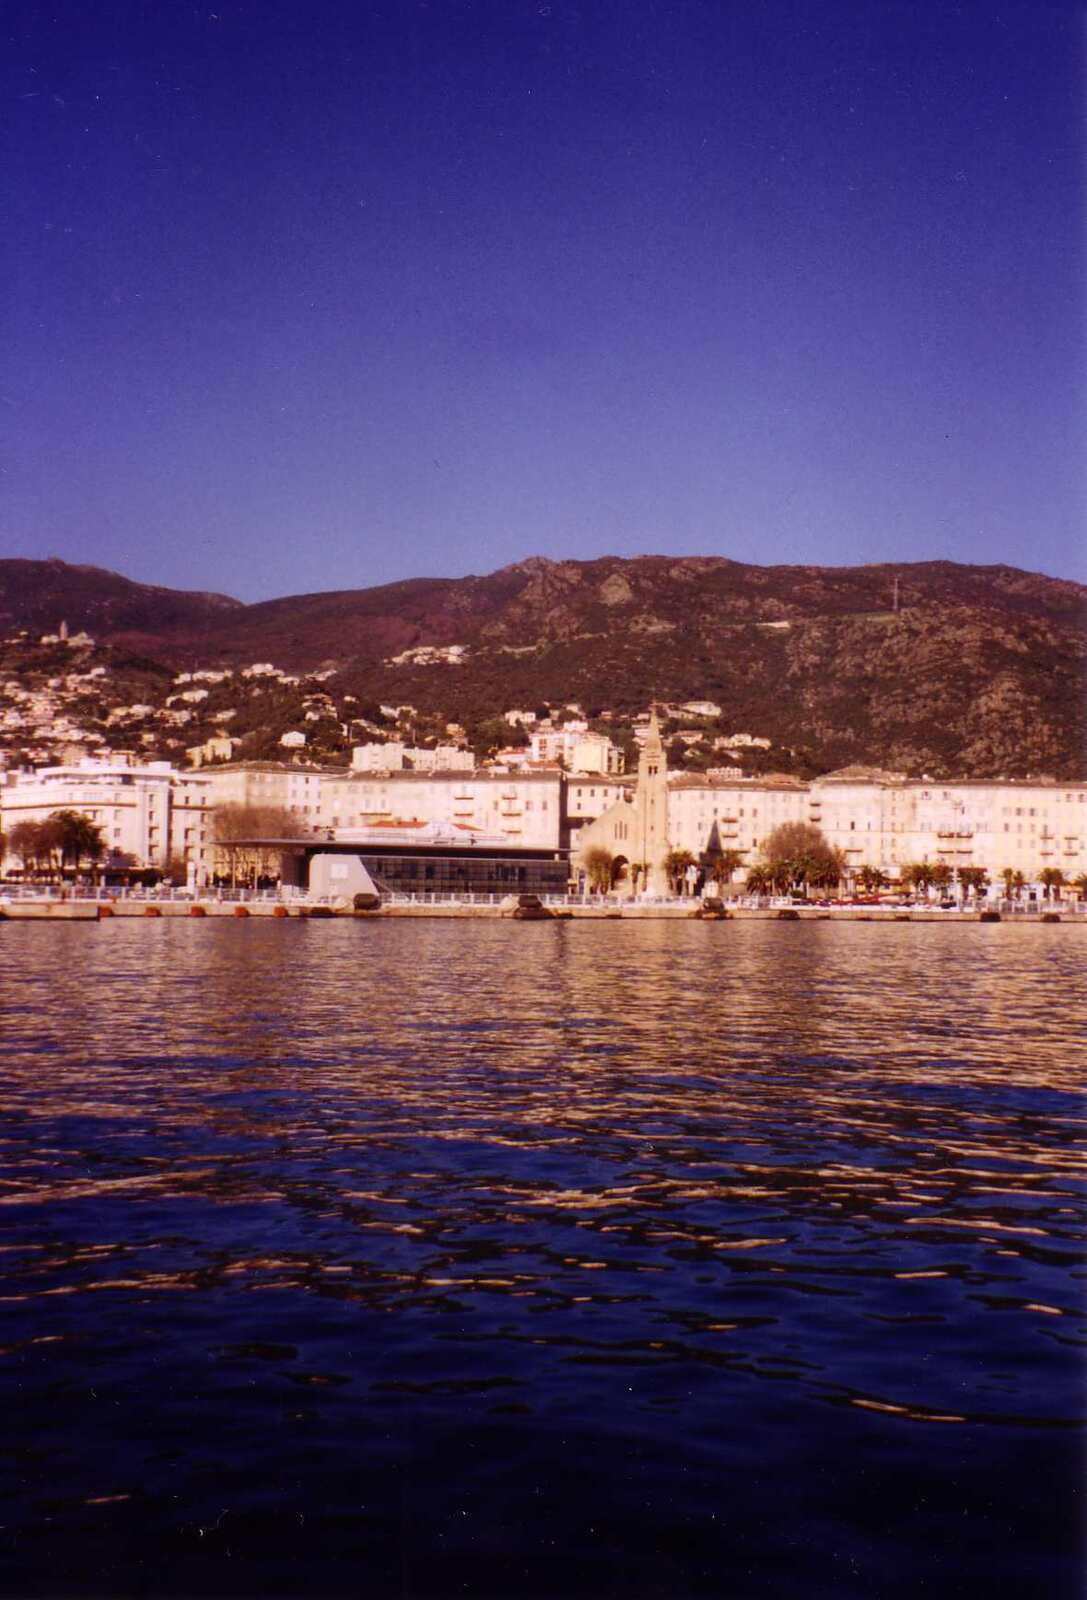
576	748
395	756
443	758
523	807
887	821
147	813
150	812
272	783
743	811
378	757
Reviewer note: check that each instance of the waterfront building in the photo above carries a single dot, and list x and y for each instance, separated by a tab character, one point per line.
744	812
272	783
150	813
886	820
427	858
875	818
635	830
147	813
523	808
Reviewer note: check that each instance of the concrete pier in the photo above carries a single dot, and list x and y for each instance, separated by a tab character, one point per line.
47	910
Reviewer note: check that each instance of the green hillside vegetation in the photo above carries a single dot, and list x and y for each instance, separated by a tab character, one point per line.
980	671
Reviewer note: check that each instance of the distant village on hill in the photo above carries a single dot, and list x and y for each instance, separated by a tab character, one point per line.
62	697
119	765
509	712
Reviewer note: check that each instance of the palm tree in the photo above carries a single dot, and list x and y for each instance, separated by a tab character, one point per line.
760	879
942	875
1019	883
825	872
1008	876
871	879
1080	885
78	837
918	875
974	880
1052	879
676	863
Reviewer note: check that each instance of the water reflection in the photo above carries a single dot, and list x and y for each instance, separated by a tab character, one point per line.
728	1190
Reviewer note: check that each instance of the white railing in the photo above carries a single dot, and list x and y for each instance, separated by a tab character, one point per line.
292	895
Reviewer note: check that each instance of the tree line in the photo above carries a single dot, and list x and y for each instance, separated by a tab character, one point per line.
66	840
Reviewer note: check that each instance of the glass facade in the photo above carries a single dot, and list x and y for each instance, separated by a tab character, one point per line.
402	873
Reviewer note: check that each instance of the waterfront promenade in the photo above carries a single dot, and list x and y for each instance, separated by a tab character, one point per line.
88	906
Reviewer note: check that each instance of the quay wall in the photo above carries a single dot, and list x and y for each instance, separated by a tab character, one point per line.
42	910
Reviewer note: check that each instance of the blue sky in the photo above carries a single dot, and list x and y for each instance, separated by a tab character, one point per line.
310	296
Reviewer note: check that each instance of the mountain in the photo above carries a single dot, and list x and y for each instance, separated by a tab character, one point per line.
39	595
927	666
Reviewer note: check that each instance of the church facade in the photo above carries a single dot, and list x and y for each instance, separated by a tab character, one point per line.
635	832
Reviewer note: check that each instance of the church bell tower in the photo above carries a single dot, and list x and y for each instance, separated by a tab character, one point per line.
650	843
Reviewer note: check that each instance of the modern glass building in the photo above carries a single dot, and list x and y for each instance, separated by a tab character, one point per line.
466	872
433	869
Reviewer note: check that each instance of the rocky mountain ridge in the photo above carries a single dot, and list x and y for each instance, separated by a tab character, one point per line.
933	666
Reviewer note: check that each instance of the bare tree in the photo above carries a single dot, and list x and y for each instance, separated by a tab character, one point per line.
598	865
241	832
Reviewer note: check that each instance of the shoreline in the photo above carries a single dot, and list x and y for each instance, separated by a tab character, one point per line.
95	911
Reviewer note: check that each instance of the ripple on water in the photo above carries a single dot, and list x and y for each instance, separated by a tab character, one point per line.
471	1246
